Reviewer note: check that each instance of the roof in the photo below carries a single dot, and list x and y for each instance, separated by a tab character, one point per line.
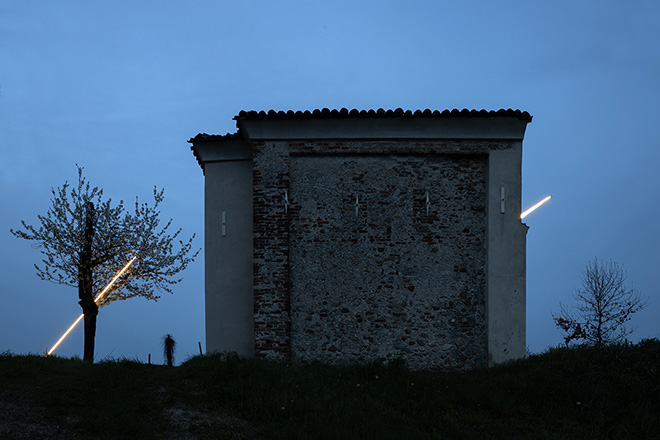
355	113
352	114
203	137
381	113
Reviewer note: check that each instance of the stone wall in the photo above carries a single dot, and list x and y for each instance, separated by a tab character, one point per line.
390	281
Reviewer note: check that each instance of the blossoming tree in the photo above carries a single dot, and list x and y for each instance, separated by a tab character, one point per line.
85	240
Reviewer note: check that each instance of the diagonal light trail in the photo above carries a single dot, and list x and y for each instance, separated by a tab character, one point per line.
97	300
533	208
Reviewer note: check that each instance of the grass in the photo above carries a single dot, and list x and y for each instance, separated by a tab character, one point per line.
582	392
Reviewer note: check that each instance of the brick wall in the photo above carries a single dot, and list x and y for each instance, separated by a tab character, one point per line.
391	281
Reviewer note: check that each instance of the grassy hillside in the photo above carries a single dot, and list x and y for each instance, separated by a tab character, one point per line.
576	393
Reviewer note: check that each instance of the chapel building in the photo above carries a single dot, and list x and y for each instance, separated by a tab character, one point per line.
354	236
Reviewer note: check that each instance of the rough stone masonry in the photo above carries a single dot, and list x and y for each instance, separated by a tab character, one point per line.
340	236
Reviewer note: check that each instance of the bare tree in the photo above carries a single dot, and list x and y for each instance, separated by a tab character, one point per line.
85	241
604	304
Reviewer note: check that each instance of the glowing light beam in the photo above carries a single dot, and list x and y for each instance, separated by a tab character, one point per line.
533	208
65	335
97	300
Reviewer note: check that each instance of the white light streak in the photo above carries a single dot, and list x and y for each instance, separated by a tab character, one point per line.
97	300
533	208
65	335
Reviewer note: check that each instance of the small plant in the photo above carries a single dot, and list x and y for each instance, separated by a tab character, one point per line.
169	345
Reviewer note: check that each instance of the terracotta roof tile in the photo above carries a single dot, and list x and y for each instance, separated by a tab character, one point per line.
203	137
381	113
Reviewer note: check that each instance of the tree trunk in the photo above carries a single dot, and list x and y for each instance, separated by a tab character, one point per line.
599	330
86	285
90	330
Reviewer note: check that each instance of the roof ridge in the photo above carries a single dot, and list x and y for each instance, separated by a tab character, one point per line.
326	113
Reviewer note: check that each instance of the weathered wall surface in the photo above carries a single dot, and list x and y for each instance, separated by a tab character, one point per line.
391	281
272	322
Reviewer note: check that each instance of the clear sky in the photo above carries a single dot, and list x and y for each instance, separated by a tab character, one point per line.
119	87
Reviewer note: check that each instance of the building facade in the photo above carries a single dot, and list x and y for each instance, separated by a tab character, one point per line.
354	236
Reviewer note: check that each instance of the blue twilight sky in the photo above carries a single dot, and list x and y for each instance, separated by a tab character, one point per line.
118	87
